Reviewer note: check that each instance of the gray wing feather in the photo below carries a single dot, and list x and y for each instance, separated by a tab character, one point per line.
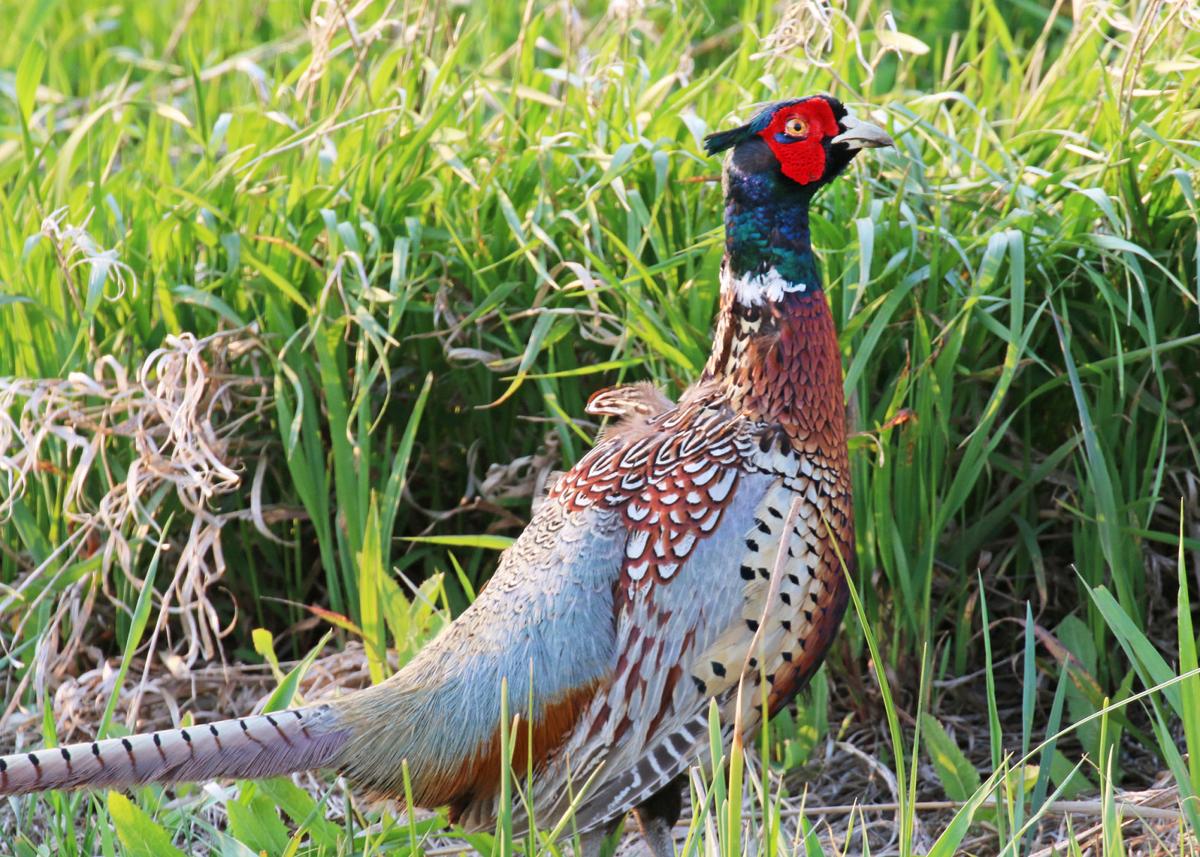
544	623
704	598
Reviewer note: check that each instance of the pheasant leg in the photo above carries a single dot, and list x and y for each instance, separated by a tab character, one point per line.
657	816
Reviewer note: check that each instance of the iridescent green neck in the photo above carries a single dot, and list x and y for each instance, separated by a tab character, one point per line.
767	237
769	278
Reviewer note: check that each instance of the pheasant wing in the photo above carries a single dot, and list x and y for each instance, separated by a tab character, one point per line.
706	522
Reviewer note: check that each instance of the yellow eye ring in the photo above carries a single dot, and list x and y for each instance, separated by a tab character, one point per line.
796	127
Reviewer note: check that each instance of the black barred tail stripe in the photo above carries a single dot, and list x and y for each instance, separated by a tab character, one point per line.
249	747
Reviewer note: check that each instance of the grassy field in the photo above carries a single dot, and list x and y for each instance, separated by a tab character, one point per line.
301	303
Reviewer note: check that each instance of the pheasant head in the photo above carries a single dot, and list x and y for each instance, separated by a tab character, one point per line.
805	141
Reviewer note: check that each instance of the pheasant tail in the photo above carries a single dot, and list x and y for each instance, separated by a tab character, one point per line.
243	748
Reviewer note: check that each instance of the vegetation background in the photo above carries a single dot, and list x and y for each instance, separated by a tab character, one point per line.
300	304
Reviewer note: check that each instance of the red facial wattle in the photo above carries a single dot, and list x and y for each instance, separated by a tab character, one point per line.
802	159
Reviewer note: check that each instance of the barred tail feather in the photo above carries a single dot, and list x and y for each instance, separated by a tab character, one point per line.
665	760
244	748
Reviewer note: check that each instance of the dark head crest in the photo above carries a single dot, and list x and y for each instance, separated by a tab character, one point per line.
722	140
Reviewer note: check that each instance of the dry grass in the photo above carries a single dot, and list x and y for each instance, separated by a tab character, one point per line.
179	424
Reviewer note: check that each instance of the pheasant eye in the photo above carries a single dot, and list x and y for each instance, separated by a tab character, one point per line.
796	127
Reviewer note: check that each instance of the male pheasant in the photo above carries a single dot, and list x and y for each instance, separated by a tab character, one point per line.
696	545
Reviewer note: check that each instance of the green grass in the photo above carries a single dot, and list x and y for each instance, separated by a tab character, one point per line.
451	224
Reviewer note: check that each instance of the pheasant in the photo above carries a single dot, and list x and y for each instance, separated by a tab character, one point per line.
696	547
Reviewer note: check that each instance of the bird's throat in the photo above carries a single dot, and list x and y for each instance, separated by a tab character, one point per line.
768	250
775	350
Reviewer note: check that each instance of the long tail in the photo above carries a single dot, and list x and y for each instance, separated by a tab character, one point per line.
244	748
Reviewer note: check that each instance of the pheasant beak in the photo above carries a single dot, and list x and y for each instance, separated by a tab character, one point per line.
862	135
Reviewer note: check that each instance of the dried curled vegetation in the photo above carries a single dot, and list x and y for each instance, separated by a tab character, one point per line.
180	424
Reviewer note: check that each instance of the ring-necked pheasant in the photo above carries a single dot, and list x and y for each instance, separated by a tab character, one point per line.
639	591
